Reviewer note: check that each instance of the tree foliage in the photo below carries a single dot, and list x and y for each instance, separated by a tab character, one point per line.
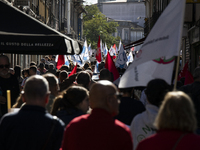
95	24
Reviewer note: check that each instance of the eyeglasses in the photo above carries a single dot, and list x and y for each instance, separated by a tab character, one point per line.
6	66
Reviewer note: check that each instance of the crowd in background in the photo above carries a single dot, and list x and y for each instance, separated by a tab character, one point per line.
96	114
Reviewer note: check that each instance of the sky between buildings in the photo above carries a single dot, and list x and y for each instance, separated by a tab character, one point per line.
88	2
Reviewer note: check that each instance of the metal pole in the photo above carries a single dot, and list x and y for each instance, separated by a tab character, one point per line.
45	11
68	17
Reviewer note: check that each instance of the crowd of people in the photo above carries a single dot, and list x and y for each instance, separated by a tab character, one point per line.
53	109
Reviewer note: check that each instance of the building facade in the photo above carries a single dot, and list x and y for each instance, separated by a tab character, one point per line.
128	31
126	10
129	14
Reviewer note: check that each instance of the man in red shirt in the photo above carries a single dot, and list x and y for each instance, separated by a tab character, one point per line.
98	130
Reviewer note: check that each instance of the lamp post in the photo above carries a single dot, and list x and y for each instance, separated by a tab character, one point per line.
45	13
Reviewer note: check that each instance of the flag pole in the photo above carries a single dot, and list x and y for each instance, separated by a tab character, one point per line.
176	73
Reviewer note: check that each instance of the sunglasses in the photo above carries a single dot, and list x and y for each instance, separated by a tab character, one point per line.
6	66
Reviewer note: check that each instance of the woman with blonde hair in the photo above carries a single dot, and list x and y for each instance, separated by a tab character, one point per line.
176	124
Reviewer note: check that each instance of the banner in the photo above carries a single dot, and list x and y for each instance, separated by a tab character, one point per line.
145	72
163	42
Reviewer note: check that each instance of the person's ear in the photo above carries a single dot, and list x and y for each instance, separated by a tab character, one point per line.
109	101
23	98
47	99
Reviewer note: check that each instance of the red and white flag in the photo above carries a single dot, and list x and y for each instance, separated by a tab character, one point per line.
98	54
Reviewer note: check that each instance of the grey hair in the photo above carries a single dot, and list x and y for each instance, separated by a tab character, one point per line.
36	87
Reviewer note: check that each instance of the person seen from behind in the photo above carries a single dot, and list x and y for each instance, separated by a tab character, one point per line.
99	130
176	124
72	103
142	125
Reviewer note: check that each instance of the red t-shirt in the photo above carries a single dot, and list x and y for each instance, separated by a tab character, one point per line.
98	131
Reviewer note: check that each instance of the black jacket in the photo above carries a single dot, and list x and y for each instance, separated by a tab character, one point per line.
128	109
193	90
29	129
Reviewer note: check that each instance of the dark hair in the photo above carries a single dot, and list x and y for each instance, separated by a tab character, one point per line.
17	71
79	69
34	68
64	67
101	66
126	90
51	78
41	65
83	78
105	74
25	70
32	63
58	73
63	74
70	98
51	66
156	91
6	57
86	65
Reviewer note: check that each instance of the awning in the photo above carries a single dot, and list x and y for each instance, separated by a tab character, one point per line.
22	34
136	43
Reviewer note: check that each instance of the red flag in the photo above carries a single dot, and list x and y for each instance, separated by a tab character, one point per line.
110	65
188	78
114	46
187	74
98	55
60	62
73	71
132	49
183	71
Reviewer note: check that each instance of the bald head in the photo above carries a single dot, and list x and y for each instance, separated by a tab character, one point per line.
103	95
36	90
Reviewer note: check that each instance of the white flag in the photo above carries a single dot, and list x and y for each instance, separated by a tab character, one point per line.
121	59
120	43
145	72
165	37
90	50
96	68
66	60
130	58
162	42
85	53
76	59
105	50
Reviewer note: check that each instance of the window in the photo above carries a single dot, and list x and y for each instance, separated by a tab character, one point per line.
126	34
